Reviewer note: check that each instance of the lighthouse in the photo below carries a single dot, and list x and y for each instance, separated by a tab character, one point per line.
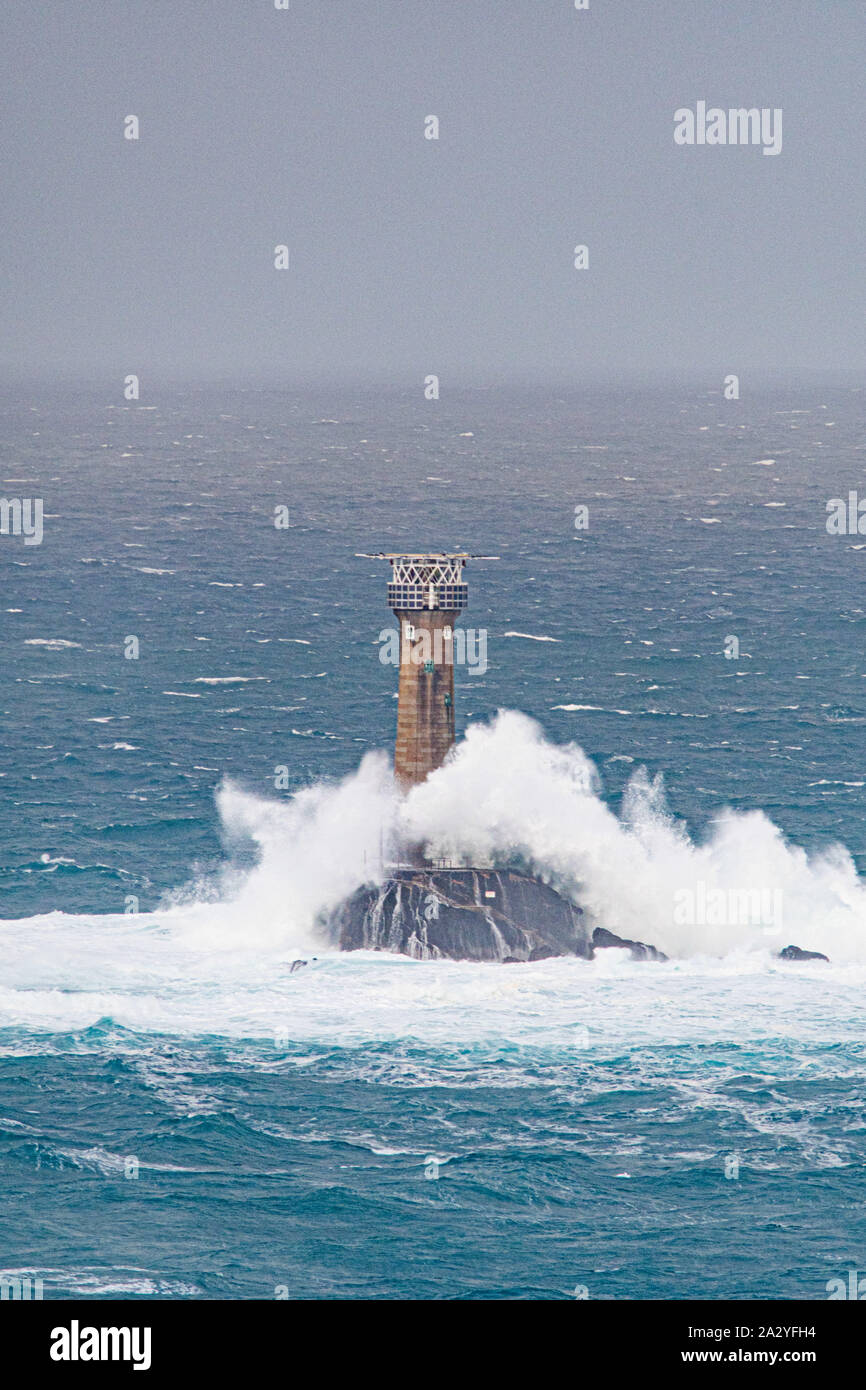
426	594
445	911
427	909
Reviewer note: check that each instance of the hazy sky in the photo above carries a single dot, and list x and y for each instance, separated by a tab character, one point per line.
411	256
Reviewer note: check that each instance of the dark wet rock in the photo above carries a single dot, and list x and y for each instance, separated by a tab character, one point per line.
603	939
461	914
796	953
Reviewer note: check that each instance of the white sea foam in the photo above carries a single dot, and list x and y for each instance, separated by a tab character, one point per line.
599	709
216	958
54	644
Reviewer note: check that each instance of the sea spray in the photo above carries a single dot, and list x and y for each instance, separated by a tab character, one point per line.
507	793
508	796
313	849
217	957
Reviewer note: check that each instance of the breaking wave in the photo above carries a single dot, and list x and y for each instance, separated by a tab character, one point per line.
216	956
508	796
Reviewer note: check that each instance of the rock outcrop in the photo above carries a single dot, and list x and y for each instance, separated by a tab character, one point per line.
604	940
796	953
461	914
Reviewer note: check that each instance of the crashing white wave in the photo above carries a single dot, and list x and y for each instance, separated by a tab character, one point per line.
508	791
214	955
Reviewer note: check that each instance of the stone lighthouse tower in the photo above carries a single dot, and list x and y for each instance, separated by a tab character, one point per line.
433	910
426	594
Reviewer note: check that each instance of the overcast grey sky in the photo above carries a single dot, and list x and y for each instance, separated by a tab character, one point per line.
410	256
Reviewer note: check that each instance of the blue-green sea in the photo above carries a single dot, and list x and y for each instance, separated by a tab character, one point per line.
183	1115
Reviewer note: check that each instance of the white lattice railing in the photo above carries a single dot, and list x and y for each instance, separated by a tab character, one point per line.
427	569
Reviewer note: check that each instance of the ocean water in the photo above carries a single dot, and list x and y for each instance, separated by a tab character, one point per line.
184	1116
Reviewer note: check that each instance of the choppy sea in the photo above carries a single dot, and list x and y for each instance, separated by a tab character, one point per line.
184	1116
